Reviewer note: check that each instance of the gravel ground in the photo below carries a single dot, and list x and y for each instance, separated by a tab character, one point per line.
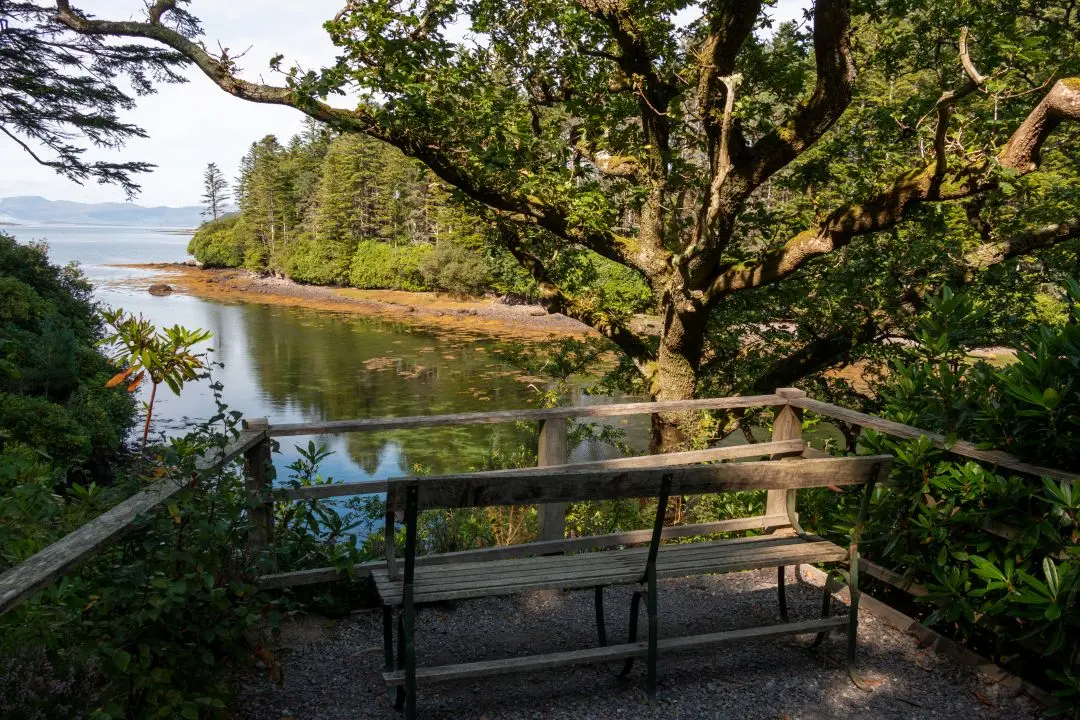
332	669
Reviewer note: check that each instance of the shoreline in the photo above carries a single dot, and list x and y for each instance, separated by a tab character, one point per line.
485	315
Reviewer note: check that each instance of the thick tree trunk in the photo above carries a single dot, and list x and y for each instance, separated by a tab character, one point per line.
677	366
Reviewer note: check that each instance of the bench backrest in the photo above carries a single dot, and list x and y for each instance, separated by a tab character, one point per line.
514	488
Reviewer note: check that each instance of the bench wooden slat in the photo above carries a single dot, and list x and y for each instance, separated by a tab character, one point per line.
613	567
627	564
532	414
502	552
505	666
494	567
690	457
508	488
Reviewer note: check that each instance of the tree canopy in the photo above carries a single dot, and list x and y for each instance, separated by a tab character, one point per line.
832	170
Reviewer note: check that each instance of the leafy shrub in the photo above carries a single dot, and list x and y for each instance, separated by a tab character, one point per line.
152	624
319	262
1013	596
378	265
455	269
52	377
217	243
508	277
45	426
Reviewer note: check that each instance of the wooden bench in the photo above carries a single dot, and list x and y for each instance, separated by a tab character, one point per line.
473	576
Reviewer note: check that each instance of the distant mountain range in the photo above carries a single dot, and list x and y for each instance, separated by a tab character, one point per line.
33	210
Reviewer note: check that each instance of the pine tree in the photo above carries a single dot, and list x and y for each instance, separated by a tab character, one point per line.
216	191
267	202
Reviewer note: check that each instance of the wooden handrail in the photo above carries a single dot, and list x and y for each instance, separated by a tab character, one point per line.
960	447
19	582
45	566
510	416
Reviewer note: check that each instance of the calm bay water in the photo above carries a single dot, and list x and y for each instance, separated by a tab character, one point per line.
295	365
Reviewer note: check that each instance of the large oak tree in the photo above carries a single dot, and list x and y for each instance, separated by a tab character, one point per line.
718	161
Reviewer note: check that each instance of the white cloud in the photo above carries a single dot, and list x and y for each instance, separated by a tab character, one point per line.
195	123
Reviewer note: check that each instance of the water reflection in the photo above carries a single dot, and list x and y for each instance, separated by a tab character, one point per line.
295	365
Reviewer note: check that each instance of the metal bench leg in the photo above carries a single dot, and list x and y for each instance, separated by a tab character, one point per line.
781	593
635	606
853	584
826	610
650	579
598	601
650	682
399	691
388	643
409	641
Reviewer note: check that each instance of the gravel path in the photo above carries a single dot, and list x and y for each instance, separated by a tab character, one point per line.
332	670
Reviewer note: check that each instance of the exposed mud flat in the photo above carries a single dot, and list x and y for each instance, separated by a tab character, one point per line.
485	316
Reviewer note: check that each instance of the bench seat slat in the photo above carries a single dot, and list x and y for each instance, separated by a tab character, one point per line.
613	567
480	567
504	666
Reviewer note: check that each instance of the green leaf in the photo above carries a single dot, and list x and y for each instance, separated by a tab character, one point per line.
1050	571
122	660
986	569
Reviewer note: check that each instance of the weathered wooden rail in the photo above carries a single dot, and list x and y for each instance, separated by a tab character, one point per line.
254	443
64	555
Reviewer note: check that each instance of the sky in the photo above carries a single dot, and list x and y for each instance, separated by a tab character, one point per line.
195	123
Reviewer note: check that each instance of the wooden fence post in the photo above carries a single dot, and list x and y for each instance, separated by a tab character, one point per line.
551	450
257	473
786	426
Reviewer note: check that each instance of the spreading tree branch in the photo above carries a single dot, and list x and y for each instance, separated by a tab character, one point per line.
819	354
993	253
831	350
831	96
555	300
730	187
362	119
1021	155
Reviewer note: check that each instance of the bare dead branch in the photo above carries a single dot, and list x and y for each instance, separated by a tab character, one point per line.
965	59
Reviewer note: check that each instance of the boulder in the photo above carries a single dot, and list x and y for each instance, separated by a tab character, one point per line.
160	289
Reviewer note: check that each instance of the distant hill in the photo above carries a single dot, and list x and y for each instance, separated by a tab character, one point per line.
33	210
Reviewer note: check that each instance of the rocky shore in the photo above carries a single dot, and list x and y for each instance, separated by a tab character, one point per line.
487	315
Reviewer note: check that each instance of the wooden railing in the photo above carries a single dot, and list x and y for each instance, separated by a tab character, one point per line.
254	444
65	554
